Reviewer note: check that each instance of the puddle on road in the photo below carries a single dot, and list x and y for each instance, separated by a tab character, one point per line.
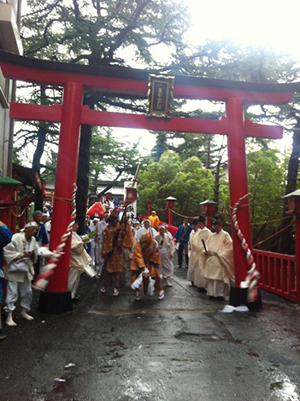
123	312
211	337
286	390
253	354
116	343
197	337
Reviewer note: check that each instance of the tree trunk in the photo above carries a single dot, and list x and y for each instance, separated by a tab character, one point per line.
36	161
208	143
83	175
217	185
285	244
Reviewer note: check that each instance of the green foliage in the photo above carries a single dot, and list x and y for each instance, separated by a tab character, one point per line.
101	33
266	180
189	182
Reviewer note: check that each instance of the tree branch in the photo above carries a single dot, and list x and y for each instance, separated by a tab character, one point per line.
122	34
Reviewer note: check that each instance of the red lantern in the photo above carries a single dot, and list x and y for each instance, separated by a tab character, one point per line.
208	207
170	204
170	201
293	199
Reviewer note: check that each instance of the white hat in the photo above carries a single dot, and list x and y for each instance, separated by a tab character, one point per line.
96	219
31	224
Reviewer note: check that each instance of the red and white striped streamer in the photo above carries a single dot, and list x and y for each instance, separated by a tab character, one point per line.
42	280
253	275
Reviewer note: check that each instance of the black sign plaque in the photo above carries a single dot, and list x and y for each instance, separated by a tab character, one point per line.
160	96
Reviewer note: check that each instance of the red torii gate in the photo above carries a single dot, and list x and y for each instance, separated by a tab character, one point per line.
134	83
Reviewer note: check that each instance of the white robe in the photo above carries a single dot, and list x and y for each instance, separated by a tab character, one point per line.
99	261
14	251
166	249
192	256
92	228
79	263
79	258
144	230
204	234
218	268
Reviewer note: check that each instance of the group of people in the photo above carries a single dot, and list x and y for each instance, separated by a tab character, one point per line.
112	247
208	255
118	246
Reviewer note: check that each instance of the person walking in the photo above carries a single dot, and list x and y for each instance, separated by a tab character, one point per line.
166	249
116	236
144	268
20	255
198	243
182	237
218	268
193	255
79	262
154	219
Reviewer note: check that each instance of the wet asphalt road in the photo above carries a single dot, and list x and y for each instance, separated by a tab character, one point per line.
182	348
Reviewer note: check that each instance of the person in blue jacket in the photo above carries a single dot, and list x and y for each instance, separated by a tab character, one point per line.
182	237
5	237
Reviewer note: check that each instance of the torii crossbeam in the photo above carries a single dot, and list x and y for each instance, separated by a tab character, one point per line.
133	83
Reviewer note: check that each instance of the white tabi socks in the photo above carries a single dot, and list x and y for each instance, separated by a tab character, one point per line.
9	320
24	315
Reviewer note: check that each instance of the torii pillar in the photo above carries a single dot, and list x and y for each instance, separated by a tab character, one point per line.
237	172
57	298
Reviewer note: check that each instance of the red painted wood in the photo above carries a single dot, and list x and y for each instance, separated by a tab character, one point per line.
277	273
195	125
237	172
137	87
222	94
22	111
297	247
262	131
170	215
66	175
35	112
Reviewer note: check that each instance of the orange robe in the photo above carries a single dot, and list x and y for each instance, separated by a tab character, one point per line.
149	258
154	221
114	238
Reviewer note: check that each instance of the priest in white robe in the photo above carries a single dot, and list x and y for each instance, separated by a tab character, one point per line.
198	248
192	249
218	267
166	249
79	263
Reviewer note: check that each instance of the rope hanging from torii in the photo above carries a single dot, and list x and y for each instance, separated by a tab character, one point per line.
42	280
253	275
